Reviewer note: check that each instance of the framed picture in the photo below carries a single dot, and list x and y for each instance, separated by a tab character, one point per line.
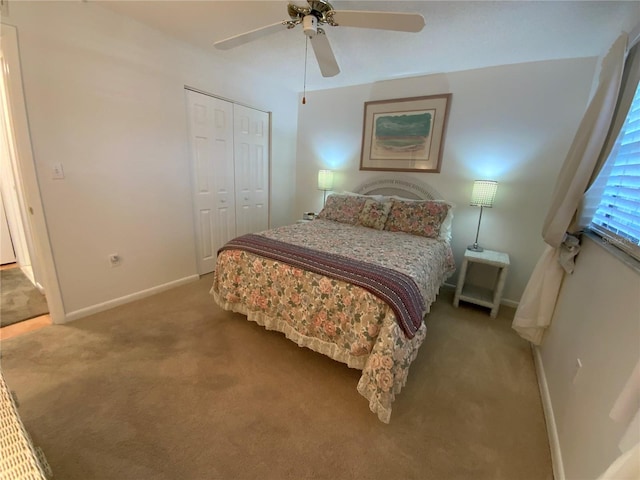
404	134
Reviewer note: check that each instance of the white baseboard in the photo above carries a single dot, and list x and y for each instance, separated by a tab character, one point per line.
552	431
101	307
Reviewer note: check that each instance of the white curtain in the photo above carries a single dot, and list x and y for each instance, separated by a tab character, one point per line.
583	161
626	467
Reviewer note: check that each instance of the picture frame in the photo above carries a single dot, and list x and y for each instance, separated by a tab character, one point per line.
405	134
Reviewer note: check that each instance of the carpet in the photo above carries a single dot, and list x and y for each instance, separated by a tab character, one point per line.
20	299
172	387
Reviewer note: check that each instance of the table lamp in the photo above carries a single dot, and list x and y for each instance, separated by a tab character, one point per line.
483	195
325	183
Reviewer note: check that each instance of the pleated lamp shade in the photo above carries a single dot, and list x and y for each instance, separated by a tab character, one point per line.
325	180
484	193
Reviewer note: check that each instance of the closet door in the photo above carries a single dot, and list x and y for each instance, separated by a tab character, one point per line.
211	138
251	141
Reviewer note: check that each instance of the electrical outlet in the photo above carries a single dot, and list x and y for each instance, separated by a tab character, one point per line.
115	260
57	172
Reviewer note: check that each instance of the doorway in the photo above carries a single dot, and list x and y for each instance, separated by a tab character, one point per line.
22	297
19	186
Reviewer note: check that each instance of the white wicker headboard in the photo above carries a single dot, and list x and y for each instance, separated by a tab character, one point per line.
403	187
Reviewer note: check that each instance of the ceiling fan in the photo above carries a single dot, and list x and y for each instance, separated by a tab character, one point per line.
313	13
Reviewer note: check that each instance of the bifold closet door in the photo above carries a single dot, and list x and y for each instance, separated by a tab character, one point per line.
251	157
211	137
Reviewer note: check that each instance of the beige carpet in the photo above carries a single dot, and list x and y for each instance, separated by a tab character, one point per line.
172	387
19	298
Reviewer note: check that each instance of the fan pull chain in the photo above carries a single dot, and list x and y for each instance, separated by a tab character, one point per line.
304	86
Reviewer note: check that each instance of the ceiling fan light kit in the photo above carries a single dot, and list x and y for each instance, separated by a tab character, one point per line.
314	13
310	26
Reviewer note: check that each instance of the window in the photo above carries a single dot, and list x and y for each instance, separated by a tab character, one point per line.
617	217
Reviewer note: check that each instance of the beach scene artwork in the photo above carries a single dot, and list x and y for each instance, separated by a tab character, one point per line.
402	135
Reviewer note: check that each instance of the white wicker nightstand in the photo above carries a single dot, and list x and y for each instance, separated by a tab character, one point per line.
485	297
20	459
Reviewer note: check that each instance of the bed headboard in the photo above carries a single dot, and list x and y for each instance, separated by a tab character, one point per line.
403	187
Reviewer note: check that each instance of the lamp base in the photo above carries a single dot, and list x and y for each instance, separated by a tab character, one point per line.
475	248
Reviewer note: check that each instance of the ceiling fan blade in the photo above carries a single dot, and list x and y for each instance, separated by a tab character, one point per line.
324	54
247	37
402	22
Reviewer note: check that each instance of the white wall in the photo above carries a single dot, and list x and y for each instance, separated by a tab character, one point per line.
511	123
105	97
597	320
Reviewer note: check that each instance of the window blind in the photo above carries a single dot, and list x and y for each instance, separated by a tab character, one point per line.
617	217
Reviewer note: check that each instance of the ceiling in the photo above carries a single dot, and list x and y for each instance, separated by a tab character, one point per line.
459	35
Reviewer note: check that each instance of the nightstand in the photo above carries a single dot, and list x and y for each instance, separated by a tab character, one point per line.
303	220
486	297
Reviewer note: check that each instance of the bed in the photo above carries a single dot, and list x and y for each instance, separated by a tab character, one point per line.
354	284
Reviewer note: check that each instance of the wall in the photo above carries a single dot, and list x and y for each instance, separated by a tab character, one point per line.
105	98
511	123
597	320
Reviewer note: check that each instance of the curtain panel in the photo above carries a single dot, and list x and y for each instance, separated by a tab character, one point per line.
581	165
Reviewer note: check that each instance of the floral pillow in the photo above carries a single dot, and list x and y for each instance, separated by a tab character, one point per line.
342	208
374	214
417	218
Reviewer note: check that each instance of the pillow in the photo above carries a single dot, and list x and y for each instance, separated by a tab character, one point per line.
342	208
423	218
379	198
374	214
446	227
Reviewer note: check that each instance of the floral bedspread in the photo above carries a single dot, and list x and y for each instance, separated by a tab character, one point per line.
332	317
